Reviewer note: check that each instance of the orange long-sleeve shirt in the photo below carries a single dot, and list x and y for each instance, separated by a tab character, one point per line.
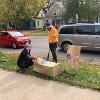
53	35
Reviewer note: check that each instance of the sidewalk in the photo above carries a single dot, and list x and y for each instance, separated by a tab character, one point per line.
14	86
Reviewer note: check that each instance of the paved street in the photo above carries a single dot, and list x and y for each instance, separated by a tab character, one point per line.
40	48
14	86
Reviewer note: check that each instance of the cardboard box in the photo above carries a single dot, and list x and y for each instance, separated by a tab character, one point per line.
47	67
73	64
74	50
73	56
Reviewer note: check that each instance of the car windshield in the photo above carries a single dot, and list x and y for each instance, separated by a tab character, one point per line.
16	34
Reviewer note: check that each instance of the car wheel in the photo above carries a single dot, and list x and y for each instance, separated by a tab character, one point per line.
14	46
65	46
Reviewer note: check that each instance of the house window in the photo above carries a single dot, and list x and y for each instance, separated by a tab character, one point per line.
41	15
38	23
55	14
45	11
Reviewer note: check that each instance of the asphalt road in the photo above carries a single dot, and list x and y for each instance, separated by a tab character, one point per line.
40	48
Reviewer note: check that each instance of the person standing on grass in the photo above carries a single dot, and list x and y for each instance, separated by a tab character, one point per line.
53	40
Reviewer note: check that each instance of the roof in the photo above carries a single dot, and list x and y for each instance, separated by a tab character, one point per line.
60	4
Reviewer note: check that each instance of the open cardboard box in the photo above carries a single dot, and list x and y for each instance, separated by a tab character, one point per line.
47	67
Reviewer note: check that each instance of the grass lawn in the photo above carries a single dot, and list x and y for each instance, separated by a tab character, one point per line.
35	32
86	76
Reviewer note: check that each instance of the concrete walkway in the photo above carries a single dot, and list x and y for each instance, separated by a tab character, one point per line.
14	86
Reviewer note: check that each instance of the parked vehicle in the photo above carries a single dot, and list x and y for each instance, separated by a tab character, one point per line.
13	39
82	34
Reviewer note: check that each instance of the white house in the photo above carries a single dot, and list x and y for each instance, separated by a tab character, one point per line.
51	14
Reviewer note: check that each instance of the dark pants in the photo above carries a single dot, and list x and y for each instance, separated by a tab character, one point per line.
53	47
25	64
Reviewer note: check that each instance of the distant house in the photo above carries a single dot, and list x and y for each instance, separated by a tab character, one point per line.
39	21
51	14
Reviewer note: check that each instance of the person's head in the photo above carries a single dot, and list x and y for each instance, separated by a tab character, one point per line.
27	42
27	47
49	27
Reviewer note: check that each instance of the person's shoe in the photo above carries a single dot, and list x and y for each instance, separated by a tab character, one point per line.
55	61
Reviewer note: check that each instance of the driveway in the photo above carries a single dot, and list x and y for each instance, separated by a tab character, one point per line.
14	86
40	48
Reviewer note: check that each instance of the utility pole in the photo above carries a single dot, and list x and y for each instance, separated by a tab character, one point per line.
98	19
76	18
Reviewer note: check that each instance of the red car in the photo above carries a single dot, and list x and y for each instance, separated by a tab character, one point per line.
13	39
